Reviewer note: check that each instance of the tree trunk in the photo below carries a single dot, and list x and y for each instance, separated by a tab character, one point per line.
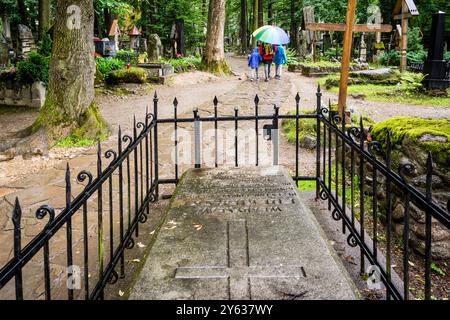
270	12
260	13
255	20
214	55
69	106
23	12
243	30
294	25
44	17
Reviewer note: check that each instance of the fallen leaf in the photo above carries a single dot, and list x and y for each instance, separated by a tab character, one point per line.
152	232
141	245
121	293
198	226
170	228
411	264
136	260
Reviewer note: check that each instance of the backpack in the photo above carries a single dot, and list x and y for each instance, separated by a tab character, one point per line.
268	50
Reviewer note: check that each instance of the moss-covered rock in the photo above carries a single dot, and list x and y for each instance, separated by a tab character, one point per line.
131	75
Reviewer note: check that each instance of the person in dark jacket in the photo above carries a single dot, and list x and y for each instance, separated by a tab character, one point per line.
253	62
279	59
267	52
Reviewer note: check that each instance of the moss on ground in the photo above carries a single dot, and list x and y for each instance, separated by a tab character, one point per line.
131	75
415	129
216	67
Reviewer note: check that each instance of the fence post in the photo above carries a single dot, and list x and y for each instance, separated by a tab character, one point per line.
155	115
197	139
275	141
319	106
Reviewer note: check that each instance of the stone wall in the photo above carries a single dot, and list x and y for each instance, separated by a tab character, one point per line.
13	93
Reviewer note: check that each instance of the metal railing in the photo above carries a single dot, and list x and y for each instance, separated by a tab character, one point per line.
342	154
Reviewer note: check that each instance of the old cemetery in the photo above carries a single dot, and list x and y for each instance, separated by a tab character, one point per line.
224	150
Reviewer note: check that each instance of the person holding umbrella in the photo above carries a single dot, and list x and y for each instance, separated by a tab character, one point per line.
271	36
267	51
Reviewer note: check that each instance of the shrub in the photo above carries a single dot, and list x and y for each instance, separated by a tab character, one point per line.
35	68
132	75
390	58
185	64
127	56
45	45
447	55
292	56
106	65
330	54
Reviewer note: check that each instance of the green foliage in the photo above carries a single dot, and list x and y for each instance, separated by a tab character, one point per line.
447	55
184	64
127	56
435	268
292	56
131	75
390	58
330	54
35	68
73	141
412	81
45	45
106	65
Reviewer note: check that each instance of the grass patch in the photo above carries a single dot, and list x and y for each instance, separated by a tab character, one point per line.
73	141
307	185
184	64
392	93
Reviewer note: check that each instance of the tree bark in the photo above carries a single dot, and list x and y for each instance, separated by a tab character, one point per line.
260	13
255	20
294	25
44	17
214	55
69	106
23	12
243	30
270	12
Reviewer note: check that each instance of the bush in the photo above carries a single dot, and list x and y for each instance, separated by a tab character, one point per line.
447	55
106	65
292	56
390	58
132	75
45	45
127	56
185	64
330	54
35	68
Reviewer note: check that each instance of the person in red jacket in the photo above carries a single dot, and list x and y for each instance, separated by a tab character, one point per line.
267	52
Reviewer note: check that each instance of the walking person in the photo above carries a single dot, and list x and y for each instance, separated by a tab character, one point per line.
267	52
253	62
279	59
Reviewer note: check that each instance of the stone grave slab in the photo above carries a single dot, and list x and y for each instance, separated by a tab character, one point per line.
241	233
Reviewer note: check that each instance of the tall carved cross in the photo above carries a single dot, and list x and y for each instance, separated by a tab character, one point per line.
349	27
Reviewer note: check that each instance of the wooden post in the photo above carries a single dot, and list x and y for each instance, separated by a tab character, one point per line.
343	83
404	38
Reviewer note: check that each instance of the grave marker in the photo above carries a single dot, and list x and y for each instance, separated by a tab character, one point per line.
241	233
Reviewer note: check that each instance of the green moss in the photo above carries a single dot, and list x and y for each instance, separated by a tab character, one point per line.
131	75
216	67
306	127
414	129
73	141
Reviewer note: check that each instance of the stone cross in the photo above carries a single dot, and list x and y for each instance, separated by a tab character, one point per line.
362	50
239	269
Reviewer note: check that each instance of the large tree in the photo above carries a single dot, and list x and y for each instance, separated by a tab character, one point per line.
69	106
214	55
44	16
243	26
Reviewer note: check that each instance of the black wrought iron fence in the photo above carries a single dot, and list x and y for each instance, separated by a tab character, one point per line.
133	177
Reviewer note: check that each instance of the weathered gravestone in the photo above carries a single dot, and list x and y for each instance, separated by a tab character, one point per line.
241	234
25	42
155	48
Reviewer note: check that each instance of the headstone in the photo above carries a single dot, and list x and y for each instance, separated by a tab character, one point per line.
155	48
4	51
326	41
114	33
25	42
241	233
435	65
134	38
6	26
362	49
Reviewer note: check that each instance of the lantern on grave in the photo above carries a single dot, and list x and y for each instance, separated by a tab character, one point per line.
114	33
134	38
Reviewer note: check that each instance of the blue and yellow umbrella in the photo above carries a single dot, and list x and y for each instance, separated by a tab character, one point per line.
271	34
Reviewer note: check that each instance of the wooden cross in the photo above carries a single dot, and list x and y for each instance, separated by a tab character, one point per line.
403	10
349	27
